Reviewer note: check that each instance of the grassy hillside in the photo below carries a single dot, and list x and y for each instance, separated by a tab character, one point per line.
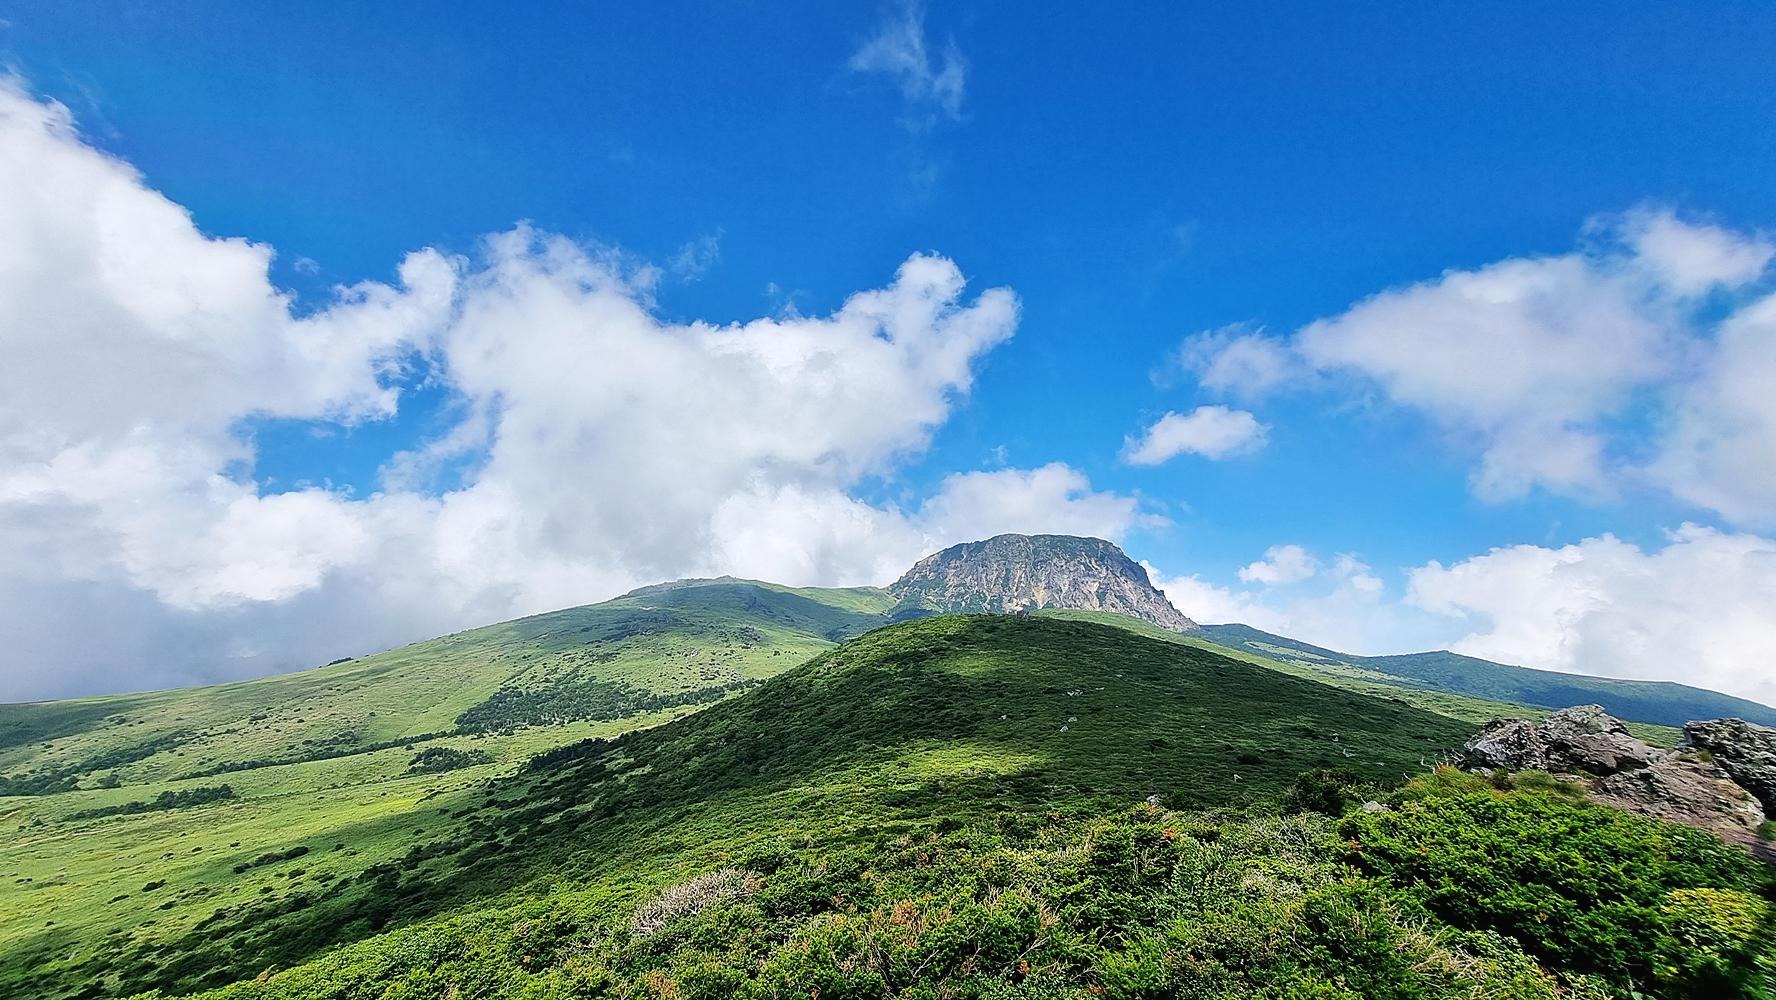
189	838
1457	706
351	761
953	807
1659	702
951	717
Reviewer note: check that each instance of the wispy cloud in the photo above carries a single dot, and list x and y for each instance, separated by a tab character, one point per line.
932	84
694	259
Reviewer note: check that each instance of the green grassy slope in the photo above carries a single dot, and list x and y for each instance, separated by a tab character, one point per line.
1659	702
1442	702
953	807
945	718
324	759
331	760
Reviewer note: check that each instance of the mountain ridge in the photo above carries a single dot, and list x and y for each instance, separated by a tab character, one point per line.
1667	703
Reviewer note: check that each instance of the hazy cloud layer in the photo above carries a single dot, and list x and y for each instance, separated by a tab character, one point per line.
1696	609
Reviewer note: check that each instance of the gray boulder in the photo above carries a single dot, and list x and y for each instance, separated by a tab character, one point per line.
1588	739
1507	744
1683	788
1744	750
1580	740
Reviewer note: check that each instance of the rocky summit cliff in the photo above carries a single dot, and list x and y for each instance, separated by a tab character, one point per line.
1008	573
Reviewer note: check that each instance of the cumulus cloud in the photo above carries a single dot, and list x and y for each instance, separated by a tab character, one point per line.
1697	609
1547	366
600	446
1719	448
1282	564
1345	607
1237	360
1214	432
900	51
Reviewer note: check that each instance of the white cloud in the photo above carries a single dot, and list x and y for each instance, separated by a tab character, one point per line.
1213	432
1719	448
900	51
1237	360
1698	609
1346	608
1282	564
1210	604
604	447
1552	367
1525	354
1694	257
1053	499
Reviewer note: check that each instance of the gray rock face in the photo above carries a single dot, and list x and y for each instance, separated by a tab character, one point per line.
1584	739
1507	744
1744	750
1685	789
1012	573
1587	743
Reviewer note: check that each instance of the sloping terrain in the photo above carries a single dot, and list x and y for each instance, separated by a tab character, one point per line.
152	811
953	717
954	807
187	838
1661	702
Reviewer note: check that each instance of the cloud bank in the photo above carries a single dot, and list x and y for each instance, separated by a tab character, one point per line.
1639	363
1636	361
598	446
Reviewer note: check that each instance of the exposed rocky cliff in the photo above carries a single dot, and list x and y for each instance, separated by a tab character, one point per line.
1009	573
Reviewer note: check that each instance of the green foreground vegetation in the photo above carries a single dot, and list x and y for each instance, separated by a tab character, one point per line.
944	807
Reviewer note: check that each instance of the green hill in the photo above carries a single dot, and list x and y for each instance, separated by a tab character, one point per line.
954	807
1660	702
354	754
952	718
186	839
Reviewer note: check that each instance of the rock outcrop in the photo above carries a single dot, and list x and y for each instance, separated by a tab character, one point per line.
1580	740
1745	750
1681	786
1016	573
1684	788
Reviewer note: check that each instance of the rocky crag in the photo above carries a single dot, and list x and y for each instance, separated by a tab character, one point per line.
1723	779
1015	573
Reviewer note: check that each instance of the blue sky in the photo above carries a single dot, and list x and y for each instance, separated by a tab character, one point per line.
1136	182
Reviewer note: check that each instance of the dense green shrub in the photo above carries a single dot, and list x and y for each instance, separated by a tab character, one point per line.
1581	887
433	760
165	800
1452	893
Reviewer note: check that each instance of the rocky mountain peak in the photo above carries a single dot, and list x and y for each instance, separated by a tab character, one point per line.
1009	573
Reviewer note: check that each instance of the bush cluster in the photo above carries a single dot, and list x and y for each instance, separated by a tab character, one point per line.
165	800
